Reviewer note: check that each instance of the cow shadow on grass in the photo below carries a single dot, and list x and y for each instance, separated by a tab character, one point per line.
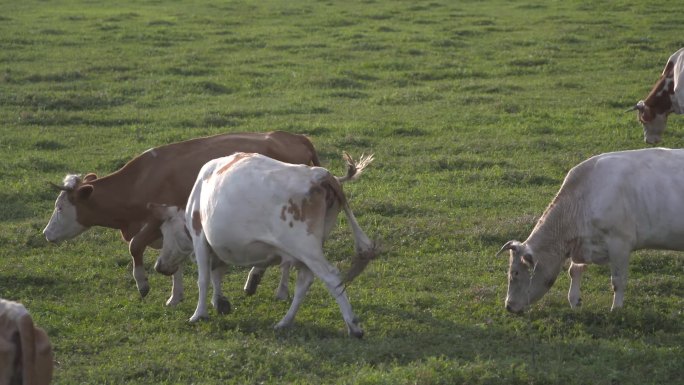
547	344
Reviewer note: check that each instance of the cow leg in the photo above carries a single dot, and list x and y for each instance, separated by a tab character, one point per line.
253	279
304	280
618	279
176	288
575	272
218	300
331	276
283	291
203	255
148	234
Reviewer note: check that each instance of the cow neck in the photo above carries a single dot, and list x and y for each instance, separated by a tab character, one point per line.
555	236
659	99
112	199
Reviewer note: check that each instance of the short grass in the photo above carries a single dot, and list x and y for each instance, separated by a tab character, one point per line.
475	111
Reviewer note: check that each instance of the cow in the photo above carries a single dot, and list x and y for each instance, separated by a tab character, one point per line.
666	96
250	210
607	206
164	175
25	350
166	214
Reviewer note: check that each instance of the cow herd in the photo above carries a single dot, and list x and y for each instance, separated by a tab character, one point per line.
263	199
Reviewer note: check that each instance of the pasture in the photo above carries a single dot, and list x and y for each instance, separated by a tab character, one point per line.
475	112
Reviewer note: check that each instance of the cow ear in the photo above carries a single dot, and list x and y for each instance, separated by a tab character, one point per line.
83	191
528	259
89	177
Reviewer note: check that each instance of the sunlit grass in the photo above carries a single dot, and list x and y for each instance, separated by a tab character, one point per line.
474	110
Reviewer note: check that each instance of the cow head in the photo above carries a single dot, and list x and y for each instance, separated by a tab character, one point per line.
652	112
65	221
653	120
177	243
526	281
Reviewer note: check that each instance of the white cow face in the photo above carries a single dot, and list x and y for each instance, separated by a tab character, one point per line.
63	224
526	281
177	243
653	129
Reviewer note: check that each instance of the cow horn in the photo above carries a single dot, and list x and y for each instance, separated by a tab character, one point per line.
639	106
58	187
510	245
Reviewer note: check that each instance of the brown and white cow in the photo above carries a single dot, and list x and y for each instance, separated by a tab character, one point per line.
25	351
250	210
181	245
666	96
163	175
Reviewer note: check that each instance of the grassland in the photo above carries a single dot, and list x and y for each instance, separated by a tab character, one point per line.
475	111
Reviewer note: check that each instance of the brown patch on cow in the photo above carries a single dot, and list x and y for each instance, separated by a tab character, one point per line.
282	214
197	222
658	100
236	158
294	210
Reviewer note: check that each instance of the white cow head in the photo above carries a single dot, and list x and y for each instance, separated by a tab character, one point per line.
527	283
653	122
177	243
64	223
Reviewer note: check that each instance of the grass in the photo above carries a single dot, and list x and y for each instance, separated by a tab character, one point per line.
475	111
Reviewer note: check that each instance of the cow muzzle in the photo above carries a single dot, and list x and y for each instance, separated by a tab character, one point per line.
512	309
161	268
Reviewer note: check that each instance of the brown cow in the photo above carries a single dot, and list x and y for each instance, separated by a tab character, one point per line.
25	350
163	175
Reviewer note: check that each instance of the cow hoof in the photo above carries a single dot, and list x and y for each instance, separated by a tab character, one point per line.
252	283
144	290
358	333
223	305
282	296
282	325
197	318
173	301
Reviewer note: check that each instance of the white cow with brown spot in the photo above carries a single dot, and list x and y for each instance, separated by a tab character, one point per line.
165	213
250	210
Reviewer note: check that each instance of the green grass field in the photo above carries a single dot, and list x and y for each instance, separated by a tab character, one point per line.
475	112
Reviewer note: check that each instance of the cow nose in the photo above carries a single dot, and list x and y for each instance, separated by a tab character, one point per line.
509	308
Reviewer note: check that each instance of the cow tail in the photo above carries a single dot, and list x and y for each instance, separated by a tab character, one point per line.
366	249
354	169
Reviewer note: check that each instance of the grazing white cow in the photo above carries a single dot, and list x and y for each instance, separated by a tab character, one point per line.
250	210
666	96
608	205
